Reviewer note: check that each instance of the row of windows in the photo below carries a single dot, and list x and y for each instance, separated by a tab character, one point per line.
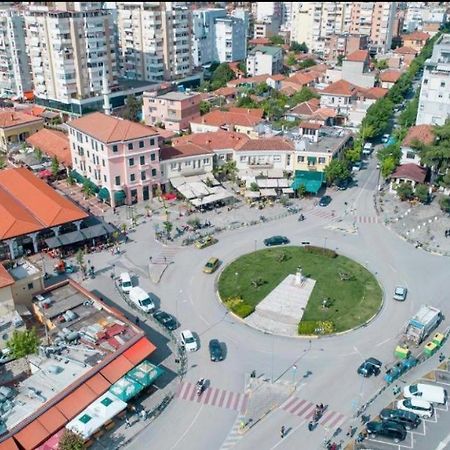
133	177
206	162
141	144
141	160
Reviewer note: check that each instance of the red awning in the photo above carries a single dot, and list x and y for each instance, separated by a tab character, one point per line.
75	402
32	435
52	420
28	95
53	442
139	351
116	369
9	444
98	384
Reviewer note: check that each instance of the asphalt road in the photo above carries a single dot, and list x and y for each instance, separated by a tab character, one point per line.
190	295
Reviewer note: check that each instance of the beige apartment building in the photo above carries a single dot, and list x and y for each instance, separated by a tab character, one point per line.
154	40
69	46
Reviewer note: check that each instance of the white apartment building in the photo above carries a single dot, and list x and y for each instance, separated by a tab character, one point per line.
434	100
155	40
263	60
266	10
230	42
68	51
15	70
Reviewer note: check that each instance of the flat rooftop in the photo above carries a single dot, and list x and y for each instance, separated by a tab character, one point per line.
177	96
23	270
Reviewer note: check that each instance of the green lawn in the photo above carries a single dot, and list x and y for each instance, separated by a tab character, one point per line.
353	301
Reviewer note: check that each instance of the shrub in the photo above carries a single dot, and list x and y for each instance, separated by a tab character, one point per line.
320	251
307	327
444	203
243	310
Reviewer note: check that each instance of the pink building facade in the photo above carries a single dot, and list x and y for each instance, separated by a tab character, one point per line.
118	156
174	109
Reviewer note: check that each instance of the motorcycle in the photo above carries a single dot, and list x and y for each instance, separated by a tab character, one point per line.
201	386
301	218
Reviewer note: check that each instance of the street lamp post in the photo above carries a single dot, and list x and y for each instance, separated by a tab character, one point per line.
294	369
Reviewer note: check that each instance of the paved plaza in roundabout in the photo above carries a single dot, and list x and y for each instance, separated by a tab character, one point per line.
291	373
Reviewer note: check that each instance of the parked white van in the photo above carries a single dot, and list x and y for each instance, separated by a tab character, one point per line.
125	282
427	392
141	299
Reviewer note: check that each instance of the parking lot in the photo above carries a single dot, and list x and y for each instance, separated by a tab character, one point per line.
431	434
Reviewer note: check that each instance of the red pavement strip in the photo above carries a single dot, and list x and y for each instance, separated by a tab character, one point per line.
222	398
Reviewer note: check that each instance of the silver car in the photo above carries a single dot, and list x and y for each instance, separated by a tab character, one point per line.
400	293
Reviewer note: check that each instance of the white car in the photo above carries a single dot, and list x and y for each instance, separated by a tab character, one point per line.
426	392
420	407
188	341
400	293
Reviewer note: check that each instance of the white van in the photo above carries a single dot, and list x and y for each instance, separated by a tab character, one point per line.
367	149
141	299
427	392
125	282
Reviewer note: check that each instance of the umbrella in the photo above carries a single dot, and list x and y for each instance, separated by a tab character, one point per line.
45	173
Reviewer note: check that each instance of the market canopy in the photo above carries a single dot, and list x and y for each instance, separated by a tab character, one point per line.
103	194
310	179
126	388
119	196
145	373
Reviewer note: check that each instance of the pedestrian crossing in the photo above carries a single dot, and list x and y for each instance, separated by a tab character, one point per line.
235	434
367	219
166	256
213	396
305	409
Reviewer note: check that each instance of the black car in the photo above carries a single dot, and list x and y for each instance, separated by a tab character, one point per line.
325	200
215	350
370	366
408	419
276	240
166	320
388	428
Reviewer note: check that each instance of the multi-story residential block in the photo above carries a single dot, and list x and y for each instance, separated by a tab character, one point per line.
266	10
419	133
266	28
415	40
15	69
375	19
355	69
120	156
155	40
434	100
174	109
230	43
69	49
339	45
339	96
263	60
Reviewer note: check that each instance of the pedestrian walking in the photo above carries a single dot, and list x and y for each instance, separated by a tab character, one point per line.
127	423
143	414
136	321
282	431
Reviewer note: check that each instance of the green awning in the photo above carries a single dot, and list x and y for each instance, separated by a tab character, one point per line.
77	176
119	196
312	180
94	188
126	388
145	373
103	194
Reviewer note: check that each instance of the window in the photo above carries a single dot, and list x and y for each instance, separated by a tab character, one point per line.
105	179
142	160
103	162
152	141
442	83
30	285
130	146
131	162
410	155
152	157
243	158
321	160
88	155
141	144
154	173
132	177
300	159
425	81
187	163
115	149
143	175
117	181
102	147
173	166
277	158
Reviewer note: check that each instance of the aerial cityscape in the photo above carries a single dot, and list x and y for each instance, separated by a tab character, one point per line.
224	225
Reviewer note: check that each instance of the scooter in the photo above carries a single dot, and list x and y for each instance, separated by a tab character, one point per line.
200	386
301	218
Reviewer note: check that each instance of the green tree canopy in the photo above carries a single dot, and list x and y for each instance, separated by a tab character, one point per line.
132	108
381	64
339	60
437	155
408	116
291	60
55	165
261	88
405	191
221	76
421	192
205	107
444	203
71	441
276	40
336	171
306	63
296	47
388	166
23	343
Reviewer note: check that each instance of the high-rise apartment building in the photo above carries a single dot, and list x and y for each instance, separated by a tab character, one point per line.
15	70
69	47
230	39
155	40
376	20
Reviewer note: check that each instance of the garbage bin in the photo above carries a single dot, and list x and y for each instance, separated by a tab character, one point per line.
438	339
430	348
402	352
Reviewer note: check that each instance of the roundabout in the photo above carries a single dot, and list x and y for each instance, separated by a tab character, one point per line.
343	296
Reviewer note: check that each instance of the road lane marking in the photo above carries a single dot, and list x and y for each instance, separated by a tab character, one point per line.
291	433
443	444
188	428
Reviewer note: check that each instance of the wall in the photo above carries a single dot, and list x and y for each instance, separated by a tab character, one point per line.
6	300
23	294
276	159
191	165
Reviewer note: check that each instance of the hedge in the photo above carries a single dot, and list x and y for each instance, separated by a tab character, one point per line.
309	327
320	251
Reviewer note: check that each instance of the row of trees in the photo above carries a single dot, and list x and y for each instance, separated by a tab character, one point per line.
221	75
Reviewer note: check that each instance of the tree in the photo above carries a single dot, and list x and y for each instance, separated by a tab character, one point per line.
301	191
133	108
254	187
23	343
388	165
291	60
445	180
391	151
381	64
38	153
296	47
336	172
353	154
246	102
339	60
261	88
437	155
408	116
2	162
55	166
276	40
242	67
405	191
70	180
205	107
71	441
422	194
87	188
306	63
168	226
221	76
303	95
444	203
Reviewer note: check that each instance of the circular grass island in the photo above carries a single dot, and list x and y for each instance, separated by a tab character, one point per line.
345	295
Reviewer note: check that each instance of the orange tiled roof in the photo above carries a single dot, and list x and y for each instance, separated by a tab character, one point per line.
259	41
390	76
11	118
302	78
225	91
28	204
376	92
255	79
324	113
288	89
358	56
307	108
214	140
416	36
111	129
276	143
182	150
340	87
405	50
52	143
310	125
277	77
5	278
421	133
410	172
249	118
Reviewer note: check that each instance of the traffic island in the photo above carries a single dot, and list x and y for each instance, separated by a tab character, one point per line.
342	294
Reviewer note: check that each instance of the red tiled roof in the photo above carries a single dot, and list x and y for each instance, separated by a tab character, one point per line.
52	420
321	68
303	78
310	125
275	143
9	444
421	133
324	113
405	50
259	41
139	351
116	369
32	435
249	118
416	36
79	399
98	384
11	118
225	91
111	129
288	90
52	143
410	172
358	56
28	204
214	140
5	277
277	77
307	108
165	134
390	76
340	87
182	151
376	92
